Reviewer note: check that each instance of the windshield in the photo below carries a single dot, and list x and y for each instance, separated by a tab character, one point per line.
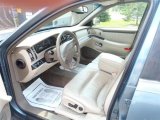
12	17
73	17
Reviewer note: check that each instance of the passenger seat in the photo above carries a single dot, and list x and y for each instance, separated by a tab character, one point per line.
88	90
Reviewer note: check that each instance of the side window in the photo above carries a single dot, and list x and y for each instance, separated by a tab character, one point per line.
126	15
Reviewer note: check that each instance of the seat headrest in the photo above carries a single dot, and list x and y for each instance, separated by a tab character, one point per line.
110	63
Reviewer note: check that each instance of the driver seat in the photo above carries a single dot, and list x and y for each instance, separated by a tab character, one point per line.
88	90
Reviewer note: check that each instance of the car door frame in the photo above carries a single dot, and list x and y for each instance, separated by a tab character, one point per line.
5	112
125	90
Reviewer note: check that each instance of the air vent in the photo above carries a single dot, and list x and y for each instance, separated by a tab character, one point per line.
20	63
31	54
34	52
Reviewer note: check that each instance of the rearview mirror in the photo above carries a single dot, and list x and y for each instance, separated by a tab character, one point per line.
81	10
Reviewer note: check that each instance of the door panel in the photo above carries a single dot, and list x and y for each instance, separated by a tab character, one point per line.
120	36
116	28
4	100
117	42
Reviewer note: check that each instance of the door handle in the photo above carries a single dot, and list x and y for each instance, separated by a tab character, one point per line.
99	44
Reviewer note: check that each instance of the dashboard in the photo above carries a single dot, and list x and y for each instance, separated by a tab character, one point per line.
42	52
37	53
49	42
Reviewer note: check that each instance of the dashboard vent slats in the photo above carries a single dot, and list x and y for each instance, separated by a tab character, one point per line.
31	55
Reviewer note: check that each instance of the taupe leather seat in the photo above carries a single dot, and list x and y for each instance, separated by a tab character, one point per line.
88	90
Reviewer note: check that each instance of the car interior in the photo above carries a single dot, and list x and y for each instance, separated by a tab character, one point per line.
84	61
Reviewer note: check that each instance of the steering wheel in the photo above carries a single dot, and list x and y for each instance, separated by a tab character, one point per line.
68	51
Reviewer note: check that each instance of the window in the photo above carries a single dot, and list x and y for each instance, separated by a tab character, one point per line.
11	18
127	15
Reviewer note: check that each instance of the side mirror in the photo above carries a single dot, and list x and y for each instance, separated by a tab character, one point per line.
81	10
96	21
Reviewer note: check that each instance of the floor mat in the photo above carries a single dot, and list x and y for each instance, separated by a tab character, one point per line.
75	70
41	95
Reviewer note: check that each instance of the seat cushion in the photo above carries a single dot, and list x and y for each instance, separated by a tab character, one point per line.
88	91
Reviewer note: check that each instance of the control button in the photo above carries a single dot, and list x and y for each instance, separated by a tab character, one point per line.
75	106
69	104
38	63
80	109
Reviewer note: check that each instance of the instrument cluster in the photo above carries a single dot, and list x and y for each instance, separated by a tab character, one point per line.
49	42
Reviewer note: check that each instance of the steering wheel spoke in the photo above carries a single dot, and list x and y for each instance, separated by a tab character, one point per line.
76	55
